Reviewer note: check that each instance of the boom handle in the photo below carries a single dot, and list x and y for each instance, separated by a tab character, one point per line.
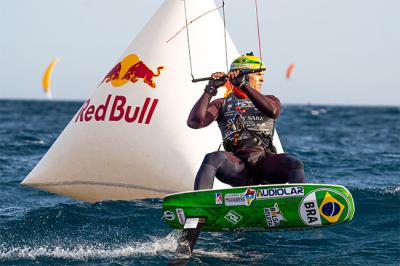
201	79
245	72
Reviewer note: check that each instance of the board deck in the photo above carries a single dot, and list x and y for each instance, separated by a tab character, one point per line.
262	208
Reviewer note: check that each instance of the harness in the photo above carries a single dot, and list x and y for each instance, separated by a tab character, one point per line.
243	125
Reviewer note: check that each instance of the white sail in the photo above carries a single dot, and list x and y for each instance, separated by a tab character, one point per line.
130	140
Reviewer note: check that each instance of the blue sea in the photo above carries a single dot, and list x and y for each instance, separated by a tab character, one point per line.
358	147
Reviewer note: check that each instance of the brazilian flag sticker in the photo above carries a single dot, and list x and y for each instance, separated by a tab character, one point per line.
323	207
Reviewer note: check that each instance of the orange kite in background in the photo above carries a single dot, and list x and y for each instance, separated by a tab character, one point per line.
289	71
46	80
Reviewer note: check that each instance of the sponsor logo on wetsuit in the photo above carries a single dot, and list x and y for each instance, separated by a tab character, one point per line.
274	216
240	199
280	192
255	117
233	217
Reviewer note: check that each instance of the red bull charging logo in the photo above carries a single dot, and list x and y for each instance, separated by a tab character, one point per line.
131	68
117	107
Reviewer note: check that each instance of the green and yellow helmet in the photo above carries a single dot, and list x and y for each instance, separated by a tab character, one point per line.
247	62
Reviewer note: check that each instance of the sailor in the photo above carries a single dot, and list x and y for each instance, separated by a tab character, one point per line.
246	119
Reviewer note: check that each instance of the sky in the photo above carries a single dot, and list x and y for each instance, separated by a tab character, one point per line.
346	51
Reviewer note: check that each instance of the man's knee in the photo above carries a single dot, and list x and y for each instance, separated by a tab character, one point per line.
291	162
214	158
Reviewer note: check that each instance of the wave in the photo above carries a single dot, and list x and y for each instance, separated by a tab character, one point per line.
123	231
155	247
380	191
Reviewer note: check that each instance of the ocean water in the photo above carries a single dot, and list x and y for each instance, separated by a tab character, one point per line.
358	147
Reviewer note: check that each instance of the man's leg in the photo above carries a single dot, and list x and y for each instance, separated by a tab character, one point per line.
228	168
279	169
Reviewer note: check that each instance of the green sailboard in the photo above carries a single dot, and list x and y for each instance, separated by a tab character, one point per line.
261	208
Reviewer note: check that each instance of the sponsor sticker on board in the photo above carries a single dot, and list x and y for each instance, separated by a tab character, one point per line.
181	216
330	208
233	217
218	198
274	216
240	199
280	192
191	223
309	212
169	215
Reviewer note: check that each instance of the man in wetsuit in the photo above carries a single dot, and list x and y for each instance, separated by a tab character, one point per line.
246	119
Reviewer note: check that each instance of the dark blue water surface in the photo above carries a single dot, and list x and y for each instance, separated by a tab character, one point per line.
358	147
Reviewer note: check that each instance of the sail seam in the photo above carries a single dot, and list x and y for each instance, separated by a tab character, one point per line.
74	183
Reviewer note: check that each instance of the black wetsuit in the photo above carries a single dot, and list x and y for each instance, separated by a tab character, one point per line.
249	157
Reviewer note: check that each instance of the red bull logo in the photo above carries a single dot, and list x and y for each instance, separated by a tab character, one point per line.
116	109
131	69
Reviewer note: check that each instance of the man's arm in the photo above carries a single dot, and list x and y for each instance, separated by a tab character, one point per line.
203	112
269	105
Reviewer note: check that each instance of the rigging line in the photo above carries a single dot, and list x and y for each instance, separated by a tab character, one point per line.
226	47
190	22
187	35
258	32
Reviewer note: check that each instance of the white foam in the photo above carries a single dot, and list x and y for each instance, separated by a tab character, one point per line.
157	246
216	253
317	112
393	190
12	211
